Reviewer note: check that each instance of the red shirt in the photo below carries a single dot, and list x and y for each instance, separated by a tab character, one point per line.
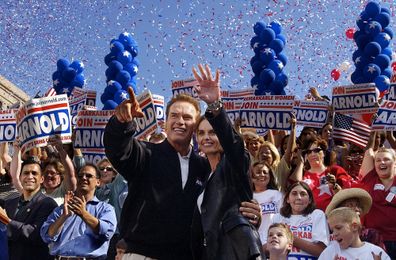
319	185
382	215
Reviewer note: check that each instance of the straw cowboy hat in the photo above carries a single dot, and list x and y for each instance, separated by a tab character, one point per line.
363	196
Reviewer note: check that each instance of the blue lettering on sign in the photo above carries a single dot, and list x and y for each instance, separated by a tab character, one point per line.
391	95
93	157
159	112
190	91
354	101
146	121
89	138
266	119
311	115
44	124
7	132
268	208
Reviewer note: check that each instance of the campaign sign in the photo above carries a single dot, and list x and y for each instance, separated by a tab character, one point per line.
386	119
89	131
391	95
90	95
233	99
185	86
268	112
40	119
77	104
159	104
7	125
146	125
311	113
355	99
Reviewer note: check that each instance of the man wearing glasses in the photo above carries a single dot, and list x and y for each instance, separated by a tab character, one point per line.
82	227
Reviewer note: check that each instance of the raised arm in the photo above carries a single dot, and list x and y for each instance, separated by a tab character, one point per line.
391	139
70	179
15	167
291	142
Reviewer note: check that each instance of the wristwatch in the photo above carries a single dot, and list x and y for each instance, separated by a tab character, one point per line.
214	107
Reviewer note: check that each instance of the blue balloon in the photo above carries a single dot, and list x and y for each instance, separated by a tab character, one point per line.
115	66
78	66
382	83
124	57
110	74
356	54
133	50
267	55
106	96
383	39
120	96
62	64
109	105
357	34
123	77
136	61
276	66
276	26
259	27
372	49
116	47
131	84
254	59
108	58
267	76
373	28
112	87
78	81
372	9
361	23
371	71
385	10
131	68
277	45
282	57
56	75
389	31
125	38
282	38
383	19
255	42
382	60
267	35
387	72
69	74
362	41
257	67
357	77
276	87
254	82
387	51
282	78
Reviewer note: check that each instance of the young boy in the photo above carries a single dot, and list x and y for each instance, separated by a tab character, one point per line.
345	224
279	242
121	247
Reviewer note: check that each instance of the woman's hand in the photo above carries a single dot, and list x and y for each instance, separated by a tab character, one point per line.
208	89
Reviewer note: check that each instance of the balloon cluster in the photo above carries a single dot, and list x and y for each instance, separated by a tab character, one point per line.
373	57
68	76
121	72
269	60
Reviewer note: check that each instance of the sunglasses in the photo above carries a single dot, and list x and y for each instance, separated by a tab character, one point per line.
315	150
107	168
87	175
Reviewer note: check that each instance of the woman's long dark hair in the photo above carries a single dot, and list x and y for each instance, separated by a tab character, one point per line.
286	209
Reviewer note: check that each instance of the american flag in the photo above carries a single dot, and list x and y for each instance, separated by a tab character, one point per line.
50	92
351	130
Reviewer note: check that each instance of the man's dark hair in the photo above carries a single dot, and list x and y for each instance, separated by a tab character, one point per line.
97	172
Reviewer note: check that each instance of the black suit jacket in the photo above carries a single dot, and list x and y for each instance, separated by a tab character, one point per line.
24	241
157	213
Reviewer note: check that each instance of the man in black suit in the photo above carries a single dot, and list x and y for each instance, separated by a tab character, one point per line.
164	180
25	215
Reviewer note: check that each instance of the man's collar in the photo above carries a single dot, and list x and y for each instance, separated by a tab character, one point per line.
188	154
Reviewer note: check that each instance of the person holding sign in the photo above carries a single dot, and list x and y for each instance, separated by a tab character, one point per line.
219	230
378	179
164	180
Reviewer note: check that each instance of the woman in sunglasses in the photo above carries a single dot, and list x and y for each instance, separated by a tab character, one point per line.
324	181
107	173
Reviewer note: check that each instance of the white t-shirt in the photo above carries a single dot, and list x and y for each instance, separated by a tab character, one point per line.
270	202
361	253
312	227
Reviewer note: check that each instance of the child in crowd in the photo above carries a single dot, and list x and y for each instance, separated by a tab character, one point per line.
267	194
280	241
121	247
308	225
345	224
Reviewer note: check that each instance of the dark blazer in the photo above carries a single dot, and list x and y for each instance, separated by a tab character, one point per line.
156	216
24	241
225	233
